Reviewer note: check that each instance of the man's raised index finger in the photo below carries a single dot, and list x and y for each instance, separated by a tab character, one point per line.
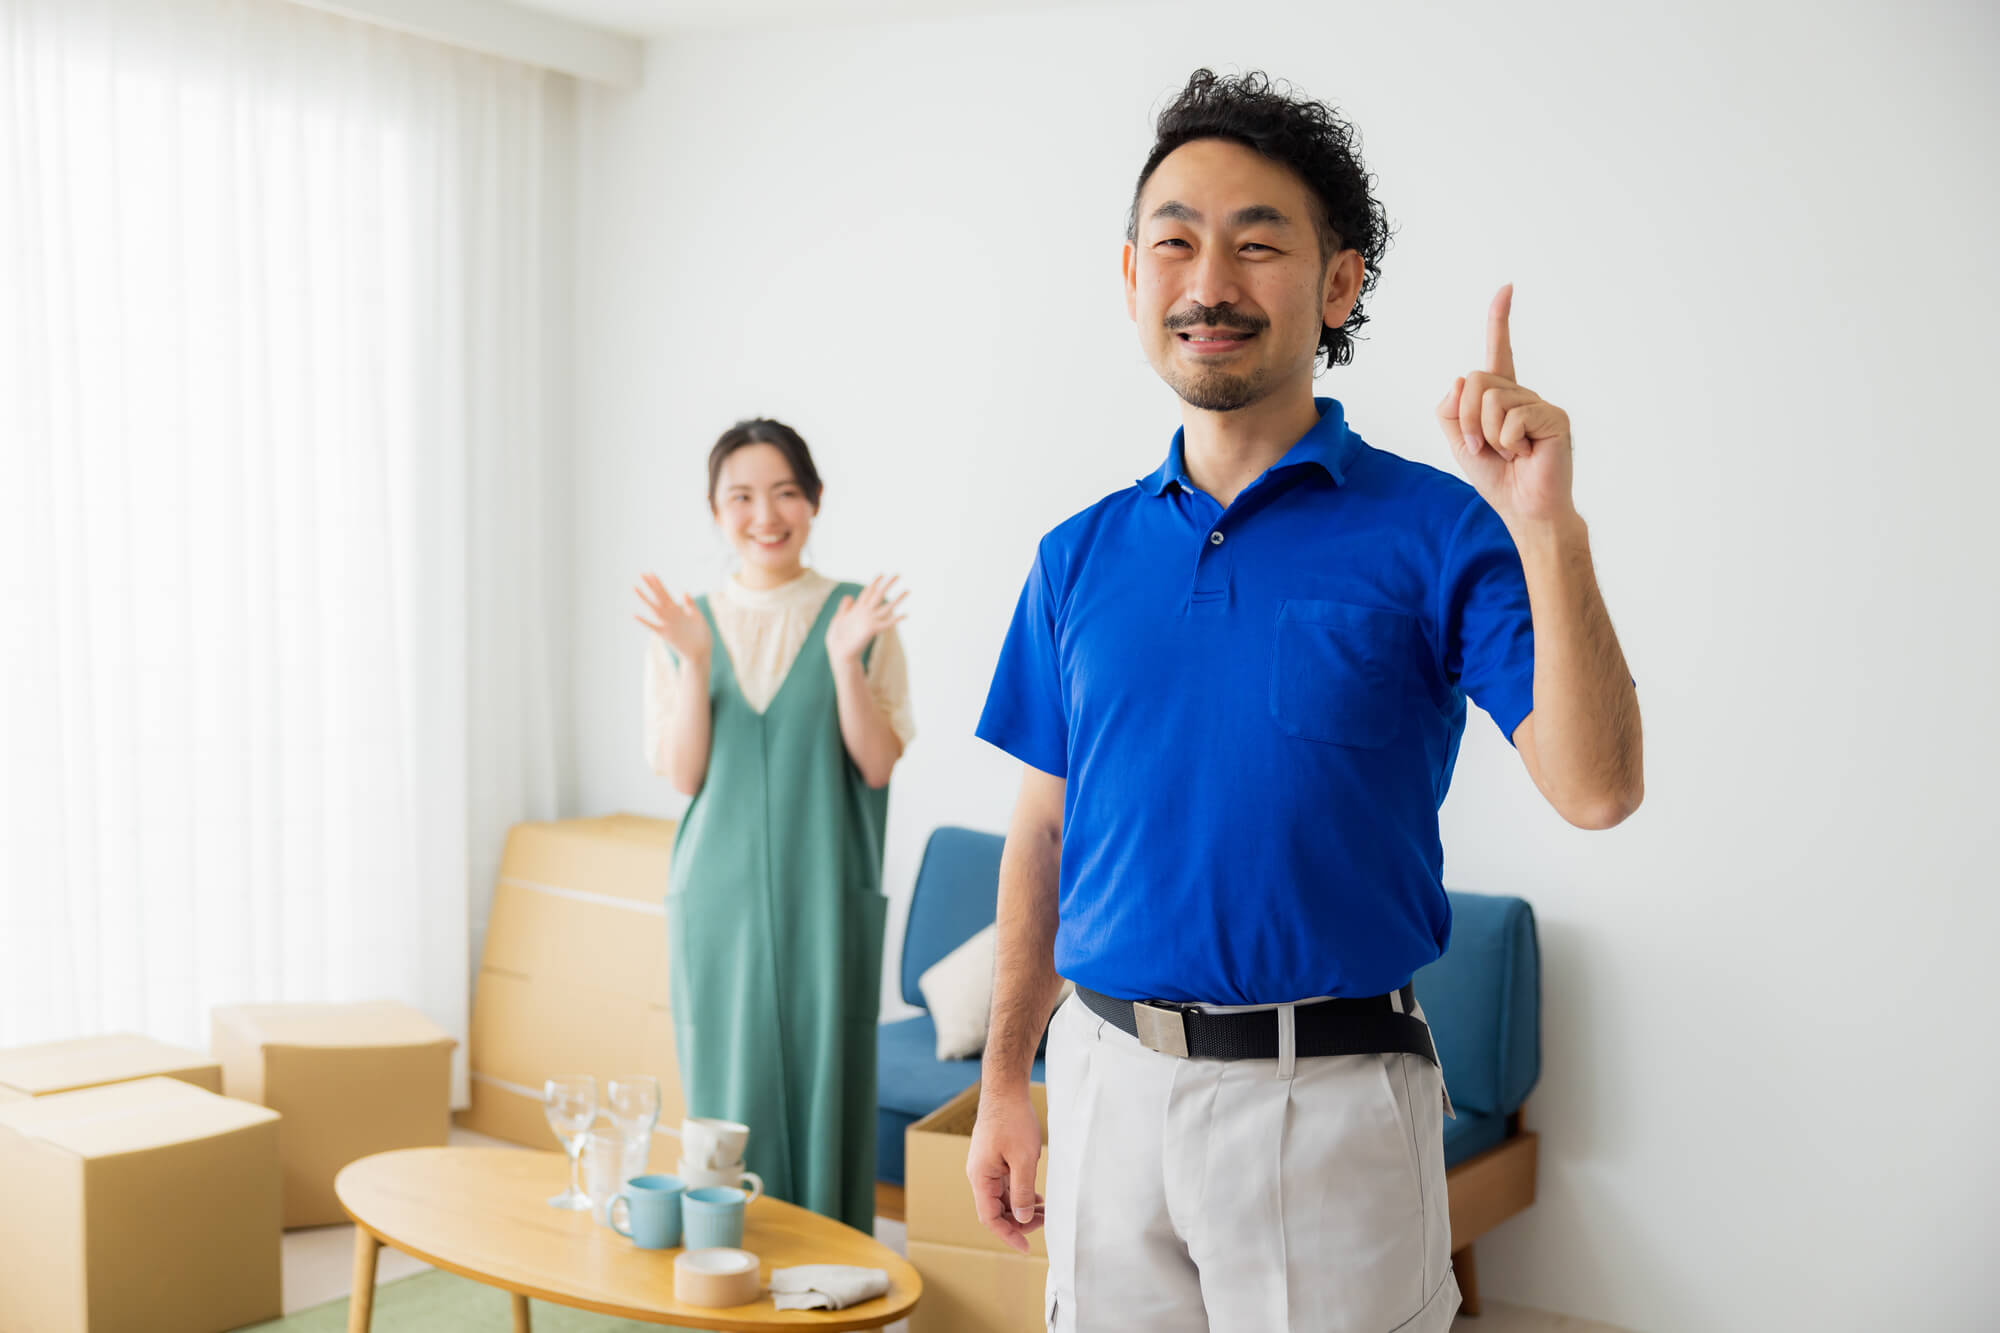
1499	344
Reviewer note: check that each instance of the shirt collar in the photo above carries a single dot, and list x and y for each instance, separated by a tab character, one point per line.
1328	445
793	592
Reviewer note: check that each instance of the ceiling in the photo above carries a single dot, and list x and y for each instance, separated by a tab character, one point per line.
658	18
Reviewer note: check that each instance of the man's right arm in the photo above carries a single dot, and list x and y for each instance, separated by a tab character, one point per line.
1007	1141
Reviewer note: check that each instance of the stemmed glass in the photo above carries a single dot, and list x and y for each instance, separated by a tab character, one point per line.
570	1103
635	1104
634	1109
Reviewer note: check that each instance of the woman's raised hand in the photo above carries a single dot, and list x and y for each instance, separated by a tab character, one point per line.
680	623
859	619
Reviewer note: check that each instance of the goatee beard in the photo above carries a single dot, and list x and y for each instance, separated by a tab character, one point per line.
1219	391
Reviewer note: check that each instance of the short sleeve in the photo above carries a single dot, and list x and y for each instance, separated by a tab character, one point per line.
1488	631
1024	708
662	672
889	684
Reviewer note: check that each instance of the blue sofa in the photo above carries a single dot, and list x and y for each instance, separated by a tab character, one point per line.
1483	1000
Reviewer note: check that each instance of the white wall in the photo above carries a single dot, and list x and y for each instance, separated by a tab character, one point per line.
1753	255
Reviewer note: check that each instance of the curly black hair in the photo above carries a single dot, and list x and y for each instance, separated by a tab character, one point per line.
1297	132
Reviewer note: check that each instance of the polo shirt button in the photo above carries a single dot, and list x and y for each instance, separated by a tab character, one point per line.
1215	539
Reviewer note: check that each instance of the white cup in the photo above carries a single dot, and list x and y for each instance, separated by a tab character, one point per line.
730	1177
711	1143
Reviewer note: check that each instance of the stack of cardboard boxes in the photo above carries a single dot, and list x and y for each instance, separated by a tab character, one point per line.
574	975
135	1196
130	1200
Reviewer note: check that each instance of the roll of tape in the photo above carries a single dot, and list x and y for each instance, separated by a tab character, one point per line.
716	1279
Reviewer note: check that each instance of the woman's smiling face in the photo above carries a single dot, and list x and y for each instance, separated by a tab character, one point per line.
762	510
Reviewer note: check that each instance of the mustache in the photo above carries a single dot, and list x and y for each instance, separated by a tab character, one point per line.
1216	316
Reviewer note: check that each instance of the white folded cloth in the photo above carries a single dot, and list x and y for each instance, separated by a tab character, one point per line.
826	1286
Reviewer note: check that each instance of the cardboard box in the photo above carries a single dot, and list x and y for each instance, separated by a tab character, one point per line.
349	1080
613	856
524	1032
89	1062
605	944
937	1197
978	1291
145	1205
574	975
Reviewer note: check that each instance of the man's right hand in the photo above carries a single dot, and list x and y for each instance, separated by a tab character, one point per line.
1006	1149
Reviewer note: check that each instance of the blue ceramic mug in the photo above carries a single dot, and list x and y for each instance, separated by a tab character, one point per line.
714	1216
652	1207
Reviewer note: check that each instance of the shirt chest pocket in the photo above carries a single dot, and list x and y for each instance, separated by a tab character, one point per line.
1342	674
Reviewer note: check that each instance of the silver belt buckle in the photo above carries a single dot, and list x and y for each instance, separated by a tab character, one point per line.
1160	1029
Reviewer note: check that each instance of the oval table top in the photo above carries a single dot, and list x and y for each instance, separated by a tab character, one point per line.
483	1213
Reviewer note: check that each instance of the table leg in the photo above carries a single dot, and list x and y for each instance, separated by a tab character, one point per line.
521	1315
361	1303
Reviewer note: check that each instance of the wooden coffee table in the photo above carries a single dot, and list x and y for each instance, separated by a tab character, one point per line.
483	1213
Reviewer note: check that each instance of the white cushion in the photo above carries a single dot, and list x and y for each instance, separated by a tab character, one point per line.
958	990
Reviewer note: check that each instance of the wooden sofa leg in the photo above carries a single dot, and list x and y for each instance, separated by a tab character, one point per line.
1468	1281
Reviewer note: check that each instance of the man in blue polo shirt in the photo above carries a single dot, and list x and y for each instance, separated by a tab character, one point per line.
1239	688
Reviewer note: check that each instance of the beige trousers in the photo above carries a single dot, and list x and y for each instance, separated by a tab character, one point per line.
1238	1196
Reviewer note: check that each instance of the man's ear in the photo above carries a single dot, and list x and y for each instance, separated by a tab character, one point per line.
1343	287
1129	262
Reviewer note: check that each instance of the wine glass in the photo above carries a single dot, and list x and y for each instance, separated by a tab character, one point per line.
635	1104
634	1108
570	1103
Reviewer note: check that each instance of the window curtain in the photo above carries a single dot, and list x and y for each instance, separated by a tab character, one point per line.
274	522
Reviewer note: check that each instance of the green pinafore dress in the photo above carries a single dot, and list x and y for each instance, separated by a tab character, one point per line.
774	933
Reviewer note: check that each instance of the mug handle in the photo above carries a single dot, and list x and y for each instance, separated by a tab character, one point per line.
757	1186
612	1216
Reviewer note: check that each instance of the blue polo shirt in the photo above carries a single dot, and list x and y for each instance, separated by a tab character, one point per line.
1257	711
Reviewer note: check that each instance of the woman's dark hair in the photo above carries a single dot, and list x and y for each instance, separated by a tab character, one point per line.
1297	132
763	430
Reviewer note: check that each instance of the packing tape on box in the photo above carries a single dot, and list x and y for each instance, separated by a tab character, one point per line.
716	1278
586	896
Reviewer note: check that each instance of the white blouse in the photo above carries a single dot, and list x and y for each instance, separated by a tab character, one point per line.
763	630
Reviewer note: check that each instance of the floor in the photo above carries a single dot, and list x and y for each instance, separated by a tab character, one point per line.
319	1267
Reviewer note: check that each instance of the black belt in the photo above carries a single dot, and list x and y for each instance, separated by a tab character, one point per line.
1322	1027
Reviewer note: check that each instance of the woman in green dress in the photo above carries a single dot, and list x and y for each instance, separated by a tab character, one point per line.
780	703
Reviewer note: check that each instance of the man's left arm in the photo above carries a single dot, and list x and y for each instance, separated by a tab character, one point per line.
1581	741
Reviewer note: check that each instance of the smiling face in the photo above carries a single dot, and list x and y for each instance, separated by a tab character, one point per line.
1225	277
763	511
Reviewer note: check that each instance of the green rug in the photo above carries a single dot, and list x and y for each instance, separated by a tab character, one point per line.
437	1302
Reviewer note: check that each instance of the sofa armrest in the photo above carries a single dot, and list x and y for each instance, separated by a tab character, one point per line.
1484	1003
